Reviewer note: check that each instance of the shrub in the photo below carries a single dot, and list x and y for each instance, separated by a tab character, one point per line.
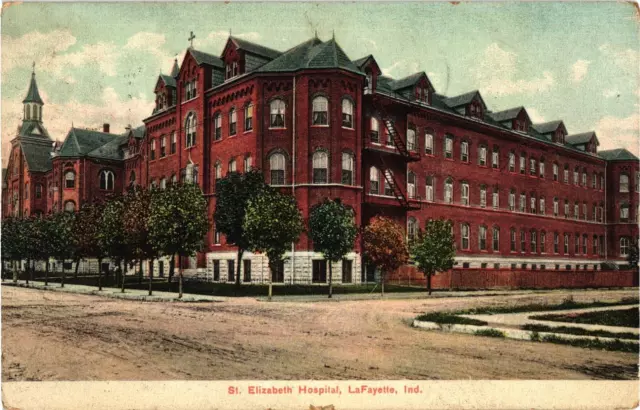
489	333
448	318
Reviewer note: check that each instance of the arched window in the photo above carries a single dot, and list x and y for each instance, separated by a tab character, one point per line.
543	240
495	198
464	191
482	155
70	179
277	108
496	239
106	180
429	188
555	171
152	150
532	166
232	165
584	177
163	146
624	246
190	128
248	163
534	241
347	168
218	170
374	182
448	191
542	206
512	240
174	179
132	178
248	117
556	242
277	169
624	183
624	212
217	127
347	113
320	111
28	112
411	138
412	228
375	130
428	142
483	196
320	167
512	200
233	121
69	206
576	175
512	161
163	183
411	184
495	158
565	176
464	151
482	238
38	191
541	167
464	236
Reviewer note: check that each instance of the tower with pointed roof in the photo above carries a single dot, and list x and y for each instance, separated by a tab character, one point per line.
33	102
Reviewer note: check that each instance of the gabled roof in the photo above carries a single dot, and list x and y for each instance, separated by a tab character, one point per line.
205	58
549	127
583	138
311	54
619	154
464	99
409	81
80	142
37	154
30	128
168	80
110	150
362	62
254	48
137	132
33	95
507	115
175	70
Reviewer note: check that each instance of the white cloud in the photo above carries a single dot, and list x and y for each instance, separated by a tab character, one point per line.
34	47
611	93
497	73
216	40
618	132
626	59
535	116
579	70
402	68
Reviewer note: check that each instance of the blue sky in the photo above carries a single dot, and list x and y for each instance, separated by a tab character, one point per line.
98	63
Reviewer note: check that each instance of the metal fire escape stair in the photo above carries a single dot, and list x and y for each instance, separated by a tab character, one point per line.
397	191
395	136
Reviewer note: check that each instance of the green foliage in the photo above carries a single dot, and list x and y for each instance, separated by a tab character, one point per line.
111	236
135	221
272	222
449	318
178	220
434	250
570	330
489	333
633	255
60	238
614	345
332	229
85	231
535	336
384	244
623	317
10	239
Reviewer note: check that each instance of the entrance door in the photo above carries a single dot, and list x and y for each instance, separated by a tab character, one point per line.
161	269
319	271
277	275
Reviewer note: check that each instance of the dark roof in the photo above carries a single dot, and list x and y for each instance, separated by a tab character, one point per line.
110	150
35	129
463	99
255	48
619	154
582	138
406	82
311	54
80	142
205	58
33	95
168	80
175	70
37	154
360	62
137	132
506	115
548	127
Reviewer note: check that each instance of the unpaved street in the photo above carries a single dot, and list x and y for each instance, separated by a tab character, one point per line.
59	336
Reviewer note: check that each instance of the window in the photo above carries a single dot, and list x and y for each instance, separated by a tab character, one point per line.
411	139
543	240
163	183
576	244
585	244
624	183
218	170
231	270
555	172
38	191
190	127
152	150
523	163
495	158
532	167
541	168
576	175
428	143
448	191
595	245
482	155
556	242
512	237
534	241
464	237
216	270
232	165
512	200
566	174
637	181
584	211
320	113
375	130
448	147
483	197
566	208
277	169
624	213
174	179
495	198
542	206
347	168
247	163
106	180
523	202
523	241
584	177
277	113
594	181
464	200
248	117
482	238
601	182
512	162
464	151
277	273
216	235
601	213
233	120
26	191
429	188
319	271
388	181
173	142
70	179
594	212
412	228
576	211
532	204
320	167
69	206
374	183
566	244
496	239
347	113
246	264
163	146
555	207
411	184
347	269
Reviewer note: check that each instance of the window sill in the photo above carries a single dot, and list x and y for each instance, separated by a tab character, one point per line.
319	125
189	100
277	128
248	131
348	128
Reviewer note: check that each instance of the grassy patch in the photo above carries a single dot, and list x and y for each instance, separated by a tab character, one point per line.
615	345
448	318
624	317
489	333
541	307
579	331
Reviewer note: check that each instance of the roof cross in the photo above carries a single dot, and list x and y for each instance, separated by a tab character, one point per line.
191	37
33	67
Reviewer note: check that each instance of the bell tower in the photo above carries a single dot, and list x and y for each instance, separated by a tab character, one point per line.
32	102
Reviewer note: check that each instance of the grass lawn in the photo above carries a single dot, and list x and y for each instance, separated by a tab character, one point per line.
444	317
569	330
542	307
623	317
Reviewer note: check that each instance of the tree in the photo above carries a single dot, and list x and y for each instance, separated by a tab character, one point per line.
633	255
62	241
233	193
32	235
178	223
137	205
434	250
272	222
85	234
333	231
111	234
11	243
384	246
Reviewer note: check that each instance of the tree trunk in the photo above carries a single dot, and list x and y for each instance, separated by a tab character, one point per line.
28	270
172	266
180	283
75	274
330	280
140	271
123	275
15	271
64	273
46	273
150	281
238	269
99	273
429	283
382	283
270	281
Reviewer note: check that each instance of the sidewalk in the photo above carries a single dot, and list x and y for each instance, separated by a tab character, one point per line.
115	293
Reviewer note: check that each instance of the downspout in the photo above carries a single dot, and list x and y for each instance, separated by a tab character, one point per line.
604	216
293	173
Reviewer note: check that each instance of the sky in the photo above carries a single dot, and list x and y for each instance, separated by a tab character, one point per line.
98	63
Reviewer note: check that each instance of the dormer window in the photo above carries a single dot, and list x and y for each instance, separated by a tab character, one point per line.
559	137
368	83
232	70
190	90
520	125
422	93
475	109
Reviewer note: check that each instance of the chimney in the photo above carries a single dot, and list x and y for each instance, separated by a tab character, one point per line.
105	127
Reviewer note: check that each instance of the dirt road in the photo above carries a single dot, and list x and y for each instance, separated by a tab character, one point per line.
58	336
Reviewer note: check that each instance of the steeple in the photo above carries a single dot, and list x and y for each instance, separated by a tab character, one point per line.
176	69
33	102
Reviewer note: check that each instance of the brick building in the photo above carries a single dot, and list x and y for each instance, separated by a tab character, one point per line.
520	195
